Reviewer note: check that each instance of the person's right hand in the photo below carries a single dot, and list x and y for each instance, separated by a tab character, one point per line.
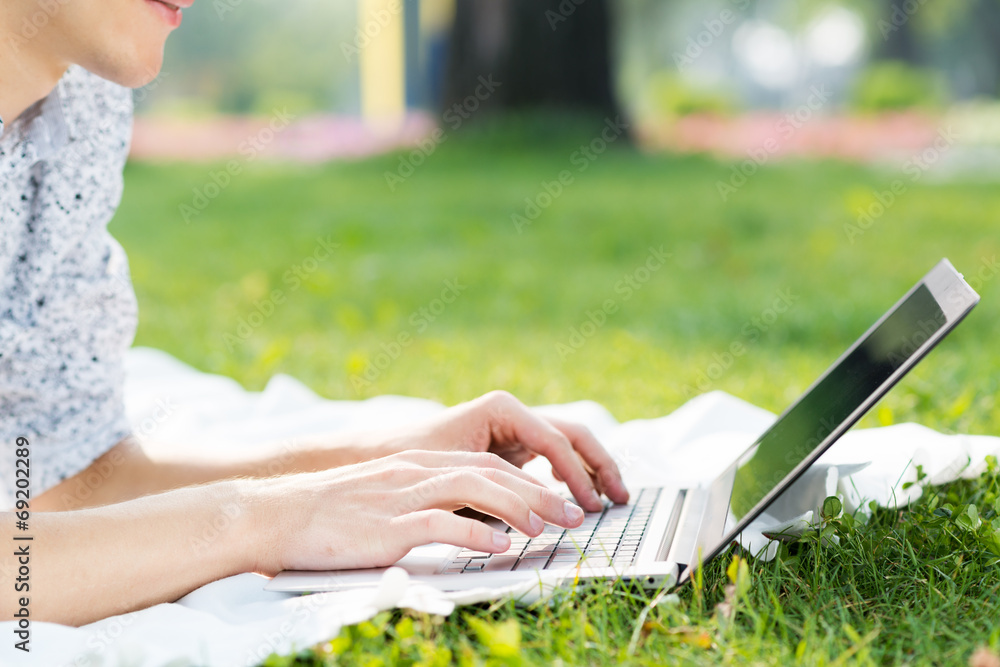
371	514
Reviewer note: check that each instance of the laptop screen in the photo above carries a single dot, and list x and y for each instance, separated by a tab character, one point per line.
832	400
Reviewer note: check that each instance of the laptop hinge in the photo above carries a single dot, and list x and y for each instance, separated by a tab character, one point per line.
672	523
689	527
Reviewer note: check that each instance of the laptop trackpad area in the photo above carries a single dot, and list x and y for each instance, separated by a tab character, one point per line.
427	559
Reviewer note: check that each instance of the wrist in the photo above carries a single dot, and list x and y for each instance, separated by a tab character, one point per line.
379	443
245	507
359	446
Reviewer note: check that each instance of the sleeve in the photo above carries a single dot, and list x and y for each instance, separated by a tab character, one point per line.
69	311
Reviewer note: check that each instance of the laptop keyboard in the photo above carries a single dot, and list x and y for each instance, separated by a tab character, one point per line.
607	539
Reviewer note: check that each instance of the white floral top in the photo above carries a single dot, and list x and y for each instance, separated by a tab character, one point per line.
67	309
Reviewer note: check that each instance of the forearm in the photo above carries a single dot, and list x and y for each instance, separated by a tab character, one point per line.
133	468
90	564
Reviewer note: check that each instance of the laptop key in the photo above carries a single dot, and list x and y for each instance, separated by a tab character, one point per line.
500	564
568	551
530	564
474	566
538	553
565	559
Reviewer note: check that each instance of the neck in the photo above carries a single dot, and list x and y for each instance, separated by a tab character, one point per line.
27	71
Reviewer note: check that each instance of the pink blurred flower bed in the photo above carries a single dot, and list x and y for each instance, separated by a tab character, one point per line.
320	138
861	138
308	139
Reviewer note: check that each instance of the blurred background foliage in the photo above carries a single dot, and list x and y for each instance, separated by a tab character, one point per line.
247	56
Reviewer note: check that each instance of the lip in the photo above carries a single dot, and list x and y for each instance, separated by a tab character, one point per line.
170	15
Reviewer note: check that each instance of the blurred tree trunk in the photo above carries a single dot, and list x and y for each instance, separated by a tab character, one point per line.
899	41
543	53
987	16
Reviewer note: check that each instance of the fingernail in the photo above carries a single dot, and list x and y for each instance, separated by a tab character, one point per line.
595	498
535	522
572	513
500	540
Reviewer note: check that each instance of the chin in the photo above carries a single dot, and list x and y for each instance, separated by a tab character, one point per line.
142	73
134	70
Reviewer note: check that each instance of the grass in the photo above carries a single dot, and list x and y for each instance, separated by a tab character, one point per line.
239	291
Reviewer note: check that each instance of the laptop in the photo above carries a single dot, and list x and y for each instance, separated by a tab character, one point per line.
658	538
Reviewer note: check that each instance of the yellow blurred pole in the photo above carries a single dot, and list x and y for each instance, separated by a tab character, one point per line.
436	15
382	59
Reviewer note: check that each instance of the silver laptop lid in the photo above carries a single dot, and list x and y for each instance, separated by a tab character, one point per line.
834	403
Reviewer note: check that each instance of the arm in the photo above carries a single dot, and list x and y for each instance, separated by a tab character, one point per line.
88	564
134	468
496	422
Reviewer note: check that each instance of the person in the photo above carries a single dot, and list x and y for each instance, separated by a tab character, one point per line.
67	316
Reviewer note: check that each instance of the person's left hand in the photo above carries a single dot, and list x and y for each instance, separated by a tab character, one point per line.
499	423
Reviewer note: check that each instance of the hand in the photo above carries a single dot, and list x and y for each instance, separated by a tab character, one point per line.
499	423
370	514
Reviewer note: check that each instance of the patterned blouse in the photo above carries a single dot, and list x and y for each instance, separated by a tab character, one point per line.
67	309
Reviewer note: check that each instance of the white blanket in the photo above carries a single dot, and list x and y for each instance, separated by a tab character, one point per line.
235	622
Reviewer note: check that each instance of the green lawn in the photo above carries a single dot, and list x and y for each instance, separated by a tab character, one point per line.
239	291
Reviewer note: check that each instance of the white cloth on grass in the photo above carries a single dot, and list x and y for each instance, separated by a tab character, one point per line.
234	622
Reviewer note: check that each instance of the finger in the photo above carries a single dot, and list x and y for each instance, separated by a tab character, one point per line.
558	477
449	459
521	505
535	433
598	484
436	525
609	478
